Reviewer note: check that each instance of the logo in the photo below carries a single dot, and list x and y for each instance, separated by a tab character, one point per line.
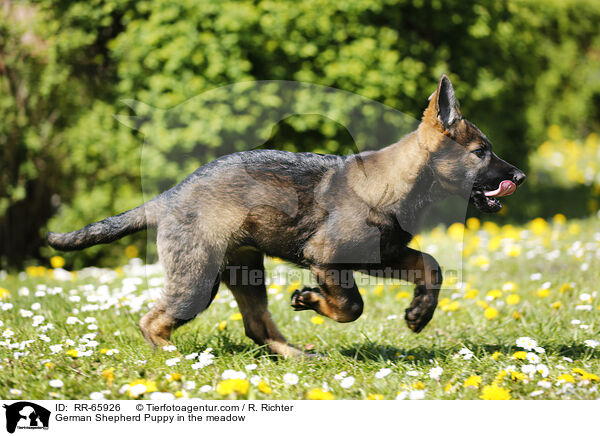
26	415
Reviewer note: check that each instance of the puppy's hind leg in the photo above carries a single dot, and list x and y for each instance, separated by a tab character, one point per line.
158	324
192	280
244	275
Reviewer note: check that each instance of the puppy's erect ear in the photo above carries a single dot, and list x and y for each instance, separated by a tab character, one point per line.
447	104
443	109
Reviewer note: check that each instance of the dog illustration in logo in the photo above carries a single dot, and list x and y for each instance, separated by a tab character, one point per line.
26	413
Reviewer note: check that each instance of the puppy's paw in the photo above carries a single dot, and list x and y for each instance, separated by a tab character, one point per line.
419	313
305	299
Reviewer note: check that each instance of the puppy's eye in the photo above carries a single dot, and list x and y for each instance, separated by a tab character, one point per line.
479	152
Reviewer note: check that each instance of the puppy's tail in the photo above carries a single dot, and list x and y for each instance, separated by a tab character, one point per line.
109	229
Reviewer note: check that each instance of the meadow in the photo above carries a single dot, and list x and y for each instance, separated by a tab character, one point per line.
520	322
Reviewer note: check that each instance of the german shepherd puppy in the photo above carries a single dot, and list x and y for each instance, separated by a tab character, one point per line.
331	214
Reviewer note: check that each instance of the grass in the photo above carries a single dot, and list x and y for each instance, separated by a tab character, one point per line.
385	359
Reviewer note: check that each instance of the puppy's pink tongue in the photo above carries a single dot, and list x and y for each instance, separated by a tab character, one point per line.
506	188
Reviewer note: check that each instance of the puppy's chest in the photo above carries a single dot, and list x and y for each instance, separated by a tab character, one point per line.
391	232
357	238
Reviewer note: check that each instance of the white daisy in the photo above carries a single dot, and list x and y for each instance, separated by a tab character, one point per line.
232	374
436	372
384	372
347	382
526	343
591	343
416	395
290	379
56	383
172	362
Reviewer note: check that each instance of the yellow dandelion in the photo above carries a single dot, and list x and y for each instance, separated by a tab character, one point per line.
456	231
494	293
516	315
518	376
471	294
494	392
521	355
543	292
317	320
590	377
72	352
554	132
149	384
131	251
109	375
568	378
264	387
402	294
378	290
538	226
57	262
450	281
473	224
482	304
448	387
319	394
556	305
375	397
496	355
175	376
222	325
490	227
416	242
500	376
513	251
233	385
49	365
36	271
513	299
474	381
566	287
559	219
482	261
490	313
444	301
236	317
4	294
494	243
451	307
418	385
293	286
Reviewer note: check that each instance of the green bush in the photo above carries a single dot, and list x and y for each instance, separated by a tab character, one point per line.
518	66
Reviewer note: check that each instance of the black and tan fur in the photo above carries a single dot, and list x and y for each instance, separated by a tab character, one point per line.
331	214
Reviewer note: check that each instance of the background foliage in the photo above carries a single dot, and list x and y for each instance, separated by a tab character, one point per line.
519	67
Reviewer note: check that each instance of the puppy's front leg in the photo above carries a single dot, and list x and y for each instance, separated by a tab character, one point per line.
423	270
337	296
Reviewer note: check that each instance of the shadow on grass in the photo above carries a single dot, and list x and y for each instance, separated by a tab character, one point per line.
370	351
226	344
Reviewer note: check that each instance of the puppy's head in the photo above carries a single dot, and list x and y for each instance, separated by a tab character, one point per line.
461	155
